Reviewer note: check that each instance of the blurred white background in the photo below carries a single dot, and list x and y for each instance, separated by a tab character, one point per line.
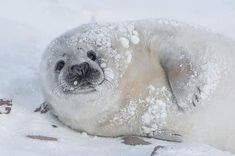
56	16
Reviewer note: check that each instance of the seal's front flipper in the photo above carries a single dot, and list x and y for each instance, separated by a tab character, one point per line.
43	108
185	80
166	135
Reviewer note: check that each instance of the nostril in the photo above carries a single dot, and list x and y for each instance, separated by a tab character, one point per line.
72	68
80	69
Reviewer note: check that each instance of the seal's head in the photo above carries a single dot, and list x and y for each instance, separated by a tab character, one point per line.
77	72
73	71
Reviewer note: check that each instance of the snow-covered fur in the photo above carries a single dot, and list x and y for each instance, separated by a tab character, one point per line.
157	75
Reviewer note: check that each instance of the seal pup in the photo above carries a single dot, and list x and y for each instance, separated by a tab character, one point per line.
132	78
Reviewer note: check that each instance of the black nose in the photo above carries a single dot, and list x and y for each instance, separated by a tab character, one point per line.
80	69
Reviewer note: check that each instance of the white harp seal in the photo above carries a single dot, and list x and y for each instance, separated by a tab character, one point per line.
133	78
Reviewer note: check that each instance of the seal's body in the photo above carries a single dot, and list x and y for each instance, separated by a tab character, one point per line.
132	78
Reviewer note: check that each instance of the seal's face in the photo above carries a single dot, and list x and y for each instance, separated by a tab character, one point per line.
75	71
78	72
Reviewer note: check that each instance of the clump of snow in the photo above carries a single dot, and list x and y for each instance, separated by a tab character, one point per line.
125	42
117	57
125	115
75	83
129	34
135	39
156	112
157	103
128	56
103	65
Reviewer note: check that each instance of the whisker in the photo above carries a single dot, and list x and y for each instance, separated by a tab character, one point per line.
56	89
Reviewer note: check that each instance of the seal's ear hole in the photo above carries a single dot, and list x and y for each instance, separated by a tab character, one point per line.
92	55
59	65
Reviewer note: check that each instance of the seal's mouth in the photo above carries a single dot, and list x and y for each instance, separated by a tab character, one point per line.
77	87
86	90
81	82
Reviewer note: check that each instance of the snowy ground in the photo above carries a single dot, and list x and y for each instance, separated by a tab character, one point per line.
26	26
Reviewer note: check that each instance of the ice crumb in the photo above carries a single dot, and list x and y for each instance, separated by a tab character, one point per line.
118	56
128	56
125	114
135	39
103	65
75	83
151	88
135	32
124	41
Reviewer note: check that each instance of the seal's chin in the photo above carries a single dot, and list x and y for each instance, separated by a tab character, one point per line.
80	91
73	89
77	86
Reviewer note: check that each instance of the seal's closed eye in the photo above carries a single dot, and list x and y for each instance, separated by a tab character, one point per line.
59	66
92	55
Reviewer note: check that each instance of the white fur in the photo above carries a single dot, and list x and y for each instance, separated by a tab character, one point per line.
137	98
